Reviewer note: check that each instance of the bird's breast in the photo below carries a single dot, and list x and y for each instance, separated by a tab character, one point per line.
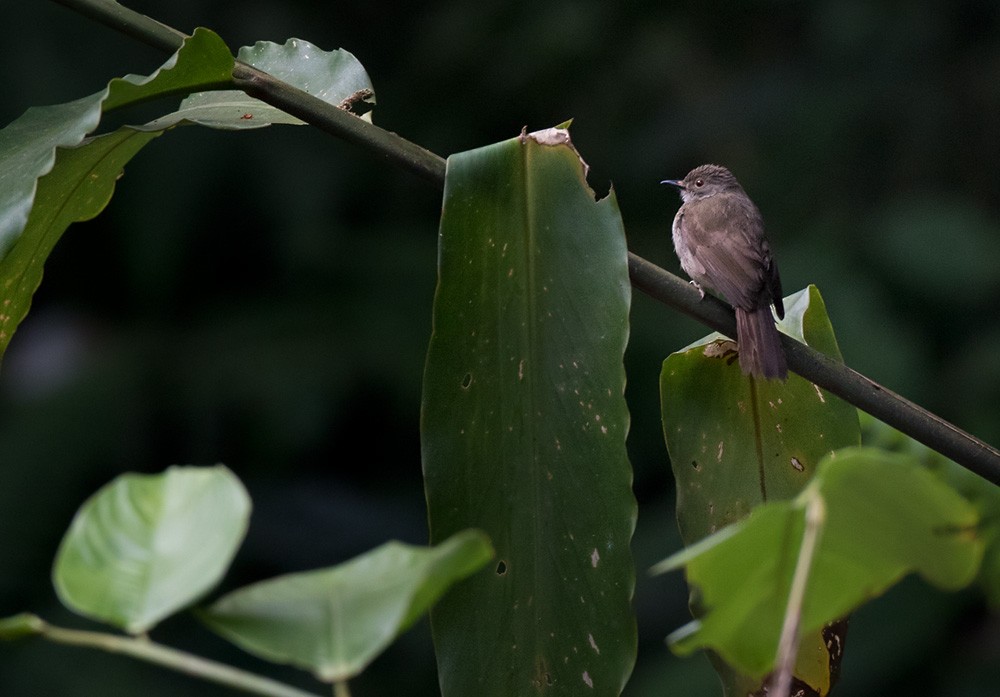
686	247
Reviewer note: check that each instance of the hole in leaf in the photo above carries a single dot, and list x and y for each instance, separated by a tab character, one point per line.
467	381
502	568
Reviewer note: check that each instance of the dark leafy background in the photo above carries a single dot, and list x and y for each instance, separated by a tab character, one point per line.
263	299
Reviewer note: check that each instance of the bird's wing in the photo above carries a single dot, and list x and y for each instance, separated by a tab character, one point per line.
722	235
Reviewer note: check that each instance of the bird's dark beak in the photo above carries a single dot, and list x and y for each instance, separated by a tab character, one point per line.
674	182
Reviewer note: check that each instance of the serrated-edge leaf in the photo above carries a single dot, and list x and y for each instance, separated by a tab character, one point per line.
332	76
524	422
202	61
28	144
336	77
78	188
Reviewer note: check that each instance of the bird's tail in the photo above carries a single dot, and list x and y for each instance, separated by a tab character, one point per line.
761	354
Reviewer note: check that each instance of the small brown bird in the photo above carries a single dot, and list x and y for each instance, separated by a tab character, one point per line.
719	237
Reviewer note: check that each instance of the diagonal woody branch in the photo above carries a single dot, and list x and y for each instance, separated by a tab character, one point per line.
865	394
848	384
339	122
269	89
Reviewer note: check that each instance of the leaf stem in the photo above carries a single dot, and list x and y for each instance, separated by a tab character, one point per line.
866	394
151	652
340	689
788	645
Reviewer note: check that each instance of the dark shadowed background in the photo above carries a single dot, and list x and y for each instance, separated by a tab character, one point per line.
263	299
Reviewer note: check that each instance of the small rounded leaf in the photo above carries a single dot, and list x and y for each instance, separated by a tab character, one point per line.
145	546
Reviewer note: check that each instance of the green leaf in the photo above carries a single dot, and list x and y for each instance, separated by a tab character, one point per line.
735	443
78	188
50	176
983	495
333	76
203	62
885	517
524	424
145	546
335	621
28	145
230	110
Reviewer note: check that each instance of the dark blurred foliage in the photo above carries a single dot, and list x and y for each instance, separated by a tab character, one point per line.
264	299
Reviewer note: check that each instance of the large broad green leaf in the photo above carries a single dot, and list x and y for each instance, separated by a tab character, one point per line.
335	621
145	546
885	517
736	443
524	424
52	175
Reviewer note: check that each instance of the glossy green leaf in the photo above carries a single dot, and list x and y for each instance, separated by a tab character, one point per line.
885	517
333	76
77	188
228	110
28	144
334	621
735	443
524	424
145	546
52	175
203	62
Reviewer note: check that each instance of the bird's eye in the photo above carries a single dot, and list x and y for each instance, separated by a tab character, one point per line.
699	182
